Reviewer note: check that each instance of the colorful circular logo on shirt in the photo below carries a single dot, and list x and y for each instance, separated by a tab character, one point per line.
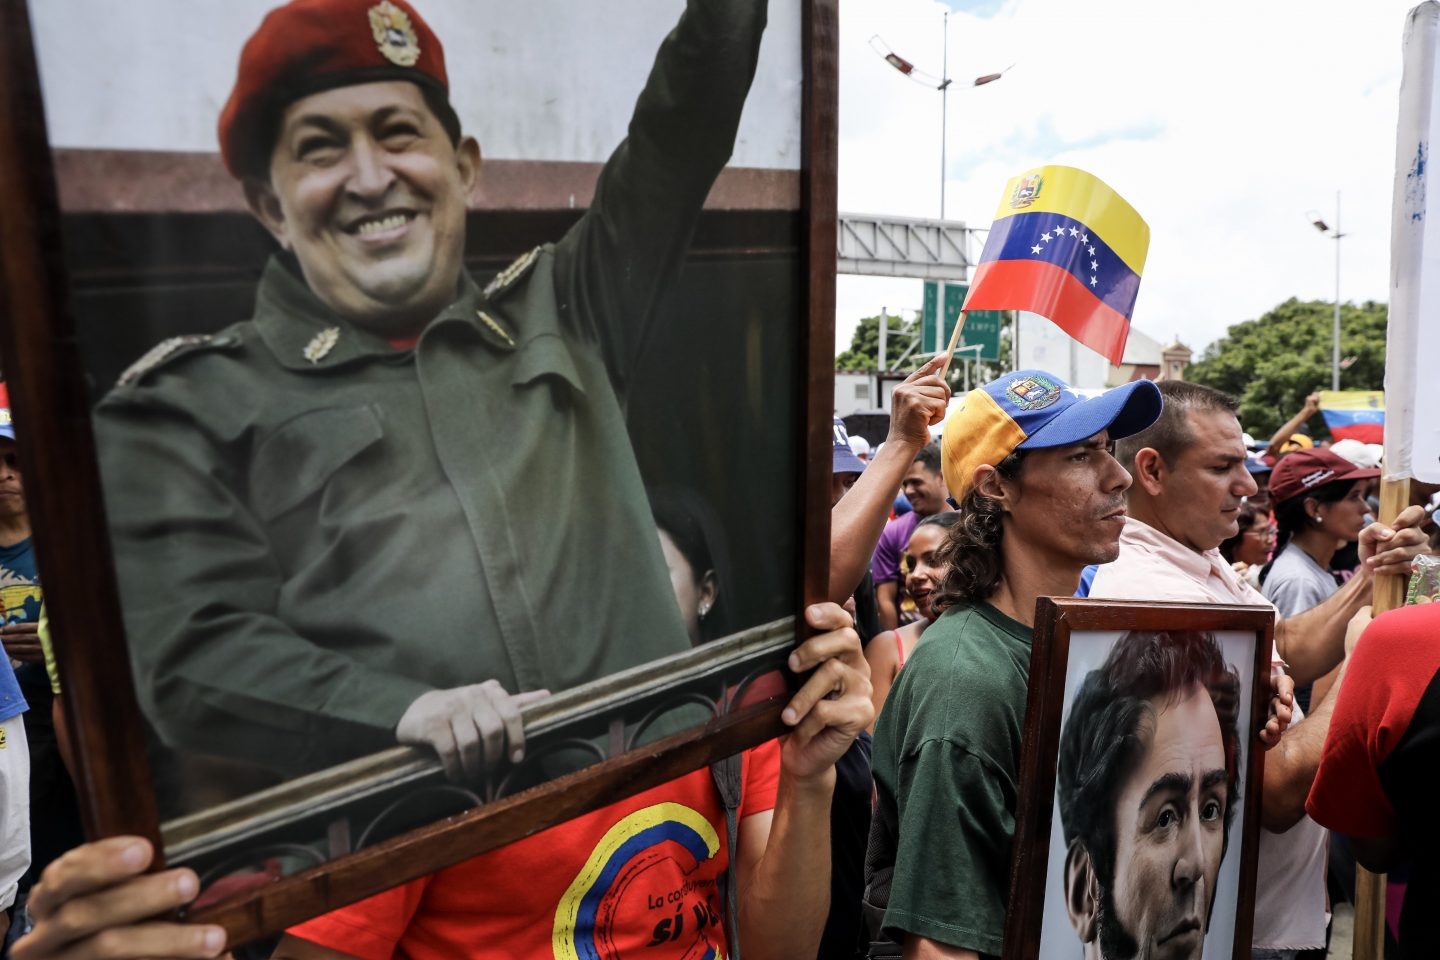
644	892
1032	392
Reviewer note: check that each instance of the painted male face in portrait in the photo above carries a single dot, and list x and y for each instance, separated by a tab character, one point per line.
1169	839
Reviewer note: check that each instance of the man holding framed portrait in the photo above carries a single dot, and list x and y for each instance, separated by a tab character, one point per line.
1190	477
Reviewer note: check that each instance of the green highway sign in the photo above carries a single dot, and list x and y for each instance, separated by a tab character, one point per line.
982	327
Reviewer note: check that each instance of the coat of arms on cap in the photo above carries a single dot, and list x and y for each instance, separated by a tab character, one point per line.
1032	393
1026	191
394	35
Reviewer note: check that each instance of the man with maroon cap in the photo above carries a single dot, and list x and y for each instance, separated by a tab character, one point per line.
375	510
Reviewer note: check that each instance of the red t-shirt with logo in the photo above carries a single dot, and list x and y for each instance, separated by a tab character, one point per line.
637	879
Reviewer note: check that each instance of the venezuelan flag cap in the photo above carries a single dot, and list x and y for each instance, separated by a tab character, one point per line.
309	46
1033	410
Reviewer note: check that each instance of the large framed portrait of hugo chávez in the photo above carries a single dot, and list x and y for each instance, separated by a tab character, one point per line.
419	403
1139	810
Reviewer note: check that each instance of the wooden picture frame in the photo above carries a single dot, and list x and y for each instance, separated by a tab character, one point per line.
63	237
1073	639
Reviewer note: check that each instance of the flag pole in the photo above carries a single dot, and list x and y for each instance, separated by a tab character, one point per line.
954	342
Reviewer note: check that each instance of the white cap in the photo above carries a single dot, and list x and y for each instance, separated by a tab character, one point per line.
859	446
1364	455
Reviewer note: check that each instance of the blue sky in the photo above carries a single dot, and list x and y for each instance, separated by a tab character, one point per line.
1225	124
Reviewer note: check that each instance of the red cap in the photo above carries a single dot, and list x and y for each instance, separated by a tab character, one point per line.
308	46
1301	471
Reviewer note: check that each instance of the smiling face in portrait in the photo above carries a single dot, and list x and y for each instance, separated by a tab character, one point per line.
1170	836
369	193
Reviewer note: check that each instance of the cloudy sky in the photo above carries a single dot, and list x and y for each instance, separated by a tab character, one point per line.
1226	124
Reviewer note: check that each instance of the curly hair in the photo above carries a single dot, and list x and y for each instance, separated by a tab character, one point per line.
971	553
1105	735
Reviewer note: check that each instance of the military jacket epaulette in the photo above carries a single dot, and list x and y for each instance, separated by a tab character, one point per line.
170	349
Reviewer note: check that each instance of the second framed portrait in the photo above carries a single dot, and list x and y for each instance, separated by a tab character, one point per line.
1138	822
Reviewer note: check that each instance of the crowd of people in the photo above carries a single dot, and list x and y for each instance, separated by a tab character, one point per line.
881	825
1129	495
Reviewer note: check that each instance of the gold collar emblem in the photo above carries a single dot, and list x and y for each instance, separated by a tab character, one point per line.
321	344
394	34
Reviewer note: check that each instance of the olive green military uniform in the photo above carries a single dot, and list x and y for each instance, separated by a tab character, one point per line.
313	528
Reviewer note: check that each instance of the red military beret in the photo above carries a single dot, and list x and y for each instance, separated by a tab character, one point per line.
308	46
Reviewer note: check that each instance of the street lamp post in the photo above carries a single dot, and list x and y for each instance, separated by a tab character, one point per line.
944	100
1335	235
941	83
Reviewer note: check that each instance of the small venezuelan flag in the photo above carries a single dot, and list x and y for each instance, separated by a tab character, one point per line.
1354	414
1069	248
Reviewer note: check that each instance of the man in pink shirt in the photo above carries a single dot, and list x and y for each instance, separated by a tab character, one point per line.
1189	478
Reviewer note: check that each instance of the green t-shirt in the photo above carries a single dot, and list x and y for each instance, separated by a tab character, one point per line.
947	772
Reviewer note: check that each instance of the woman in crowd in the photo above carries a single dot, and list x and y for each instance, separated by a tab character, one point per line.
1319	507
888	652
1249	549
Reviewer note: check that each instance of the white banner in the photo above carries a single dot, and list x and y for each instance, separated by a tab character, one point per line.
1412	416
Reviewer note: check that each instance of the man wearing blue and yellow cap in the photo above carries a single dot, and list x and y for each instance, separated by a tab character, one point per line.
375	509
1040	497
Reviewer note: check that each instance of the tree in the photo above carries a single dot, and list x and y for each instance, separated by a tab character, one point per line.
1273	362
864	352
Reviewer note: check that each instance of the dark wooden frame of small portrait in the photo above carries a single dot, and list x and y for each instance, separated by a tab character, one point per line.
1057	620
52	406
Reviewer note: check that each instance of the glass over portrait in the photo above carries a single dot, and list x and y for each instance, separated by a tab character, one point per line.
1147	755
443	360
1144	855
